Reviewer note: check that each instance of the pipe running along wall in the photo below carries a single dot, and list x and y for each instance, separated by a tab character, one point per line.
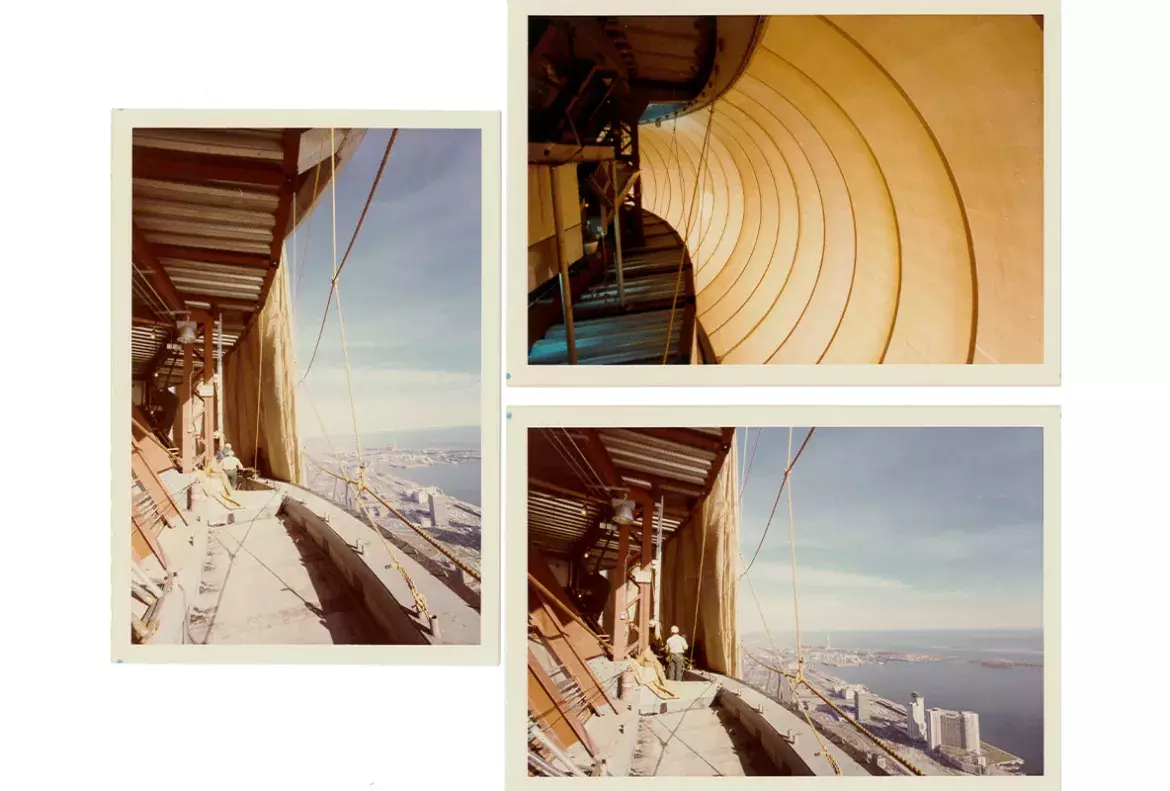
872	192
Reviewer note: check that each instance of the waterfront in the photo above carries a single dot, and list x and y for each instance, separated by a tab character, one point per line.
461	481
1008	699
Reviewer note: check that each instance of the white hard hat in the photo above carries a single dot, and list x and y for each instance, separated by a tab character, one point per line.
674	630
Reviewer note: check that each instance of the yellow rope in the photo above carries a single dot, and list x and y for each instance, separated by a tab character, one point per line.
690	212
324	432
792	555
420	600
337	267
309	226
751	460
842	714
698	597
798	679
360	484
779	492
782	677
365	487
341	323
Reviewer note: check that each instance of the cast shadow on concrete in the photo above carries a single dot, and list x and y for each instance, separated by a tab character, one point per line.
748	750
443	570
342	611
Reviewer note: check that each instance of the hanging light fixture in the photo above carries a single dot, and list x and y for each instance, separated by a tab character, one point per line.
186	332
623	512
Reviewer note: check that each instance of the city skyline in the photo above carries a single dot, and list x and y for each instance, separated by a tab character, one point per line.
896	529
410	290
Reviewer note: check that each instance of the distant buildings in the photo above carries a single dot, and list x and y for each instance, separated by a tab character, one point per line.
971	742
863	705
438	510
785	691
955	729
916	718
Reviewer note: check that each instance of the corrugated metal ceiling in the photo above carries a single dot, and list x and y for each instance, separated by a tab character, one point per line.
205	204
568	494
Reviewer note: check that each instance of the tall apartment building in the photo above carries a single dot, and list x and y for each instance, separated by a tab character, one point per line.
863	705
916	718
957	729
971	742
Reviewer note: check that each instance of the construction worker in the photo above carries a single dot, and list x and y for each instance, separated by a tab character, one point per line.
676	649
231	464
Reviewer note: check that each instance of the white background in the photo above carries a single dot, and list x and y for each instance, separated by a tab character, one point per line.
73	719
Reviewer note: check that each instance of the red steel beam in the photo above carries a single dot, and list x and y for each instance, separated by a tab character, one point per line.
292	149
144	255
208	402
186	409
644	603
140	317
684	436
667	485
620	624
599	457
207	255
218	302
720	455
155	164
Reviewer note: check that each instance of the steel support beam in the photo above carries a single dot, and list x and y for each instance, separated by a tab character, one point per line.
720	454
600	459
617	232
645	606
563	267
175	166
218	303
187	437
208	400
210	256
288	184
153	271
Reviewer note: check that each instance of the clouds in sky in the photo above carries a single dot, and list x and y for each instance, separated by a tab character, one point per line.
897	528
410	290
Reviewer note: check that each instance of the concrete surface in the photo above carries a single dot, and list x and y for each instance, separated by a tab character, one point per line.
458	622
697	742
265	582
780	734
691	695
615	736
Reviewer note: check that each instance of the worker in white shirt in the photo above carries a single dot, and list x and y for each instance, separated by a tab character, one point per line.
231	464
676	649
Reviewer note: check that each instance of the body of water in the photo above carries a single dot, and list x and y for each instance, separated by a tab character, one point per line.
461	481
1009	701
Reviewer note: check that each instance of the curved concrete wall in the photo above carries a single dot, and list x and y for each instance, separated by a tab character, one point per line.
872	192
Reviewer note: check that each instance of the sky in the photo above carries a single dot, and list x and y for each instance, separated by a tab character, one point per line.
410	290
896	528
